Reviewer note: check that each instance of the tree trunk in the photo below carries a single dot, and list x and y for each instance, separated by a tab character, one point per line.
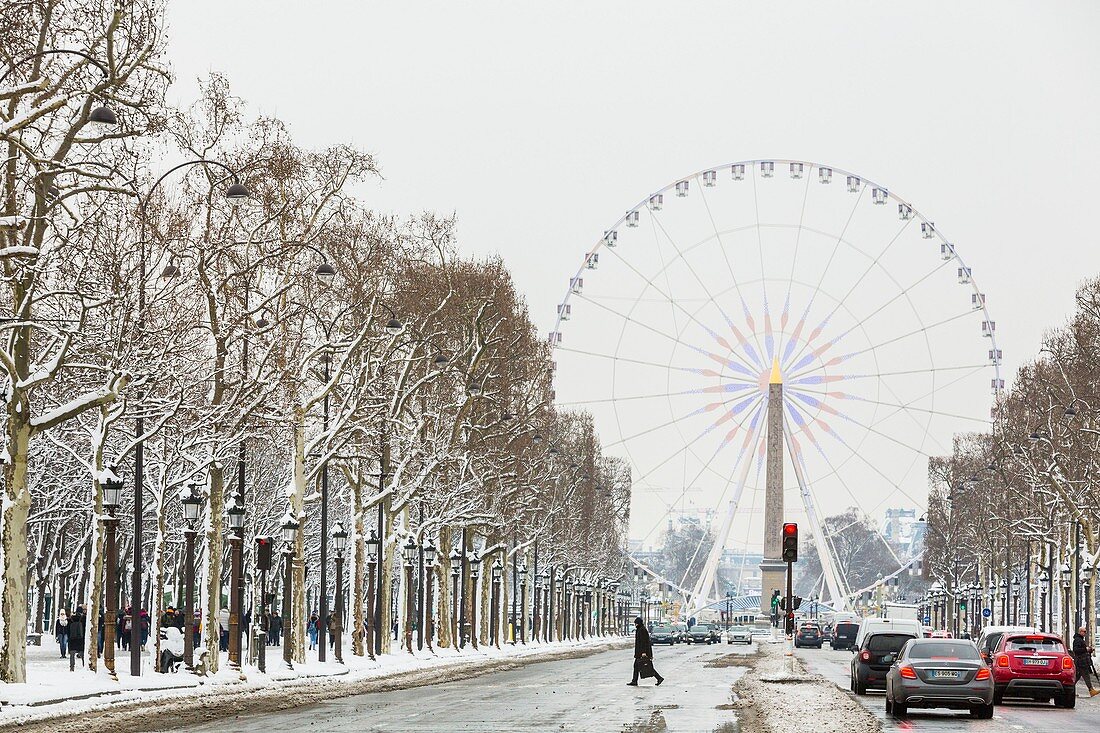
13	543
296	499
443	616
358	567
212	585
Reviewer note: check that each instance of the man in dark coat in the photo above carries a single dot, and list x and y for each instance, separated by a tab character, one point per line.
1082	660
77	627
643	655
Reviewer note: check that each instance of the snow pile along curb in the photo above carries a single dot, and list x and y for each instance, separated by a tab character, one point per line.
132	710
772	699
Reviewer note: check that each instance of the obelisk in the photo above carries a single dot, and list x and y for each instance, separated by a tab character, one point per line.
772	568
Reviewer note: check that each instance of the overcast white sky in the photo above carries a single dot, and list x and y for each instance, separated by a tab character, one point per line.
539	123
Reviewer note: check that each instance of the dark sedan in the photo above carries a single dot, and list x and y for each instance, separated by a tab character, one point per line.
700	634
940	673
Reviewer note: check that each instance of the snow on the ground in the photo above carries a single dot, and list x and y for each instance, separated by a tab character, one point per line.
52	690
776	696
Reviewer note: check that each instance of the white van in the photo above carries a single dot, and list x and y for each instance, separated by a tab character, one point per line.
888	626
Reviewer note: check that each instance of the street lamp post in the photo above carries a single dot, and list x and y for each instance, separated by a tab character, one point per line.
112	497
456	570
234	514
536	617
992	589
523	603
372	558
1086	619
1044	579
192	511
429	553
1065	570
494	605
290	534
566	598
1015	599
475	571
339	542
410	550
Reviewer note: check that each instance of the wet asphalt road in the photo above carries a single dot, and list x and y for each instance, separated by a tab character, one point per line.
587	694
1010	717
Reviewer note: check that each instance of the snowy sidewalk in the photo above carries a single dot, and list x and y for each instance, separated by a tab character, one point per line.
53	692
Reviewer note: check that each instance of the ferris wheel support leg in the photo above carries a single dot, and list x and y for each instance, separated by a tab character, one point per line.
704	587
828	567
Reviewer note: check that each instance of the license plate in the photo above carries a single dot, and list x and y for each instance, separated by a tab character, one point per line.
945	674
1035	662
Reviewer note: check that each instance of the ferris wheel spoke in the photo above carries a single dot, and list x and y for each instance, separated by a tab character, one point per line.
844	299
733	278
768	335
870	428
754	424
717	358
714	389
739	404
839	240
876	375
794	263
869	401
744	366
845	357
642	362
844	484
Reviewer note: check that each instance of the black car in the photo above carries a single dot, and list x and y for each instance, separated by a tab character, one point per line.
700	634
663	635
844	635
808	635
872	661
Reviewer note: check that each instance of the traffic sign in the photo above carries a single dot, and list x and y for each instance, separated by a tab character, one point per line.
986	613
927	620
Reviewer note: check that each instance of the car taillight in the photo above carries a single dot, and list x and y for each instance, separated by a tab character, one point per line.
983	674
1067	662
865	656
1002	660
907	672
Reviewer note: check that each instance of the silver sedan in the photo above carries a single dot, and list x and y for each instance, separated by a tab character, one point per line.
939	673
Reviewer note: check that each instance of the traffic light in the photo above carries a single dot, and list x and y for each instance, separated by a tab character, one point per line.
790	542
797	602
263	553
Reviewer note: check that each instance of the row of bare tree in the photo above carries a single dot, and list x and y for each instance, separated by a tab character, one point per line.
244	344
1019	506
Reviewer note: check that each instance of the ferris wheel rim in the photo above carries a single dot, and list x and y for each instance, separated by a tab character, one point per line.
937	235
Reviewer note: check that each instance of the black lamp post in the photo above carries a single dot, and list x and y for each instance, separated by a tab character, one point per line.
235	194
234	514
112	497
290	535
372	544
523	603
494	605
588	596
1044	579
456	570
566	602
536	616
1015	599
339	542
192	512
992	588
429	552
1087	619
475	572
409	550
1066	572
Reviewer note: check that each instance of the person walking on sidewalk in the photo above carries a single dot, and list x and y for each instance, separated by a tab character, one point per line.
311	627
76	637
643	655
61	632
1082	660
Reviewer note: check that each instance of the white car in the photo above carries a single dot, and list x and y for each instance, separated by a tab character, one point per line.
739	635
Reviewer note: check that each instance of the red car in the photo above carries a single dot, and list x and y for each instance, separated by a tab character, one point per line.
1034	666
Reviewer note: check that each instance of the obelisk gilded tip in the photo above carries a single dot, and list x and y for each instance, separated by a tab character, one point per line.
777	377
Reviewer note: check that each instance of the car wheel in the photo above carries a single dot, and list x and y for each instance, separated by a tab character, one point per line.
889	703
900	709
982	712
998	697
860	688
1067	700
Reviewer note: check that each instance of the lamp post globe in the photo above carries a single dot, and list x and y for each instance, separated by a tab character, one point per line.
430	552
339	538
103	117
236	194
325	271
409	551
394	327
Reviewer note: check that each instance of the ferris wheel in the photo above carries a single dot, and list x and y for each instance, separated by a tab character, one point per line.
677	317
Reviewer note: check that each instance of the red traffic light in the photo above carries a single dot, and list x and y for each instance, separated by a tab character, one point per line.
790	529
